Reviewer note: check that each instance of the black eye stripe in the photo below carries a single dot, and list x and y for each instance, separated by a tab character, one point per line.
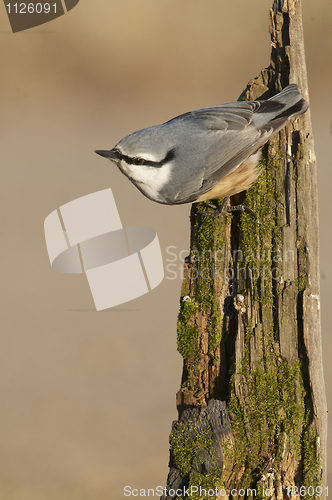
141	161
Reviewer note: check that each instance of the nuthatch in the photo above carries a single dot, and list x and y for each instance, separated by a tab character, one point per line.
204	154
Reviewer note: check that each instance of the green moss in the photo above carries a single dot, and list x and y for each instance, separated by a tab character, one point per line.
274	396
274	406
187	444
208	242
261	237
311	462
189	450
205	262
272	420
216	332
188	332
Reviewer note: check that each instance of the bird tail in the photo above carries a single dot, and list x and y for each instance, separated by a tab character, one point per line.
276	111
292	98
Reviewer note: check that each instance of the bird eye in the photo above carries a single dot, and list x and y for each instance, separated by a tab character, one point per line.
138	161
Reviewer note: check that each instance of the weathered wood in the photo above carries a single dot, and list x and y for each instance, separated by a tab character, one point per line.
249	322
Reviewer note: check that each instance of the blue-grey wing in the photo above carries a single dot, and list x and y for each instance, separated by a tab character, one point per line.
222	138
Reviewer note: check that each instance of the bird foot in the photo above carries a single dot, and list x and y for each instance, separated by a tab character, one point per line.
224	208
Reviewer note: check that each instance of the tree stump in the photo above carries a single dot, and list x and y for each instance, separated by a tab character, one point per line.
252	408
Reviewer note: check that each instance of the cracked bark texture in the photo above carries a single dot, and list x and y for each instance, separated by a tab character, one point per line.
249	322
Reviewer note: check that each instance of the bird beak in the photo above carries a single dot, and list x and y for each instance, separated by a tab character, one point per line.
111	155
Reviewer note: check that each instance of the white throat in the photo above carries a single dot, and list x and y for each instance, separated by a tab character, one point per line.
150	180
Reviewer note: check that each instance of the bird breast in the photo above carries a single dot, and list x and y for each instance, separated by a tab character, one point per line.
242	178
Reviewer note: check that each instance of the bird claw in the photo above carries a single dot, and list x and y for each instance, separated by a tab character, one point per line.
209	213
224	208
241	208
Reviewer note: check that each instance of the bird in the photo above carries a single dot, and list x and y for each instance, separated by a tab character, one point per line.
206	154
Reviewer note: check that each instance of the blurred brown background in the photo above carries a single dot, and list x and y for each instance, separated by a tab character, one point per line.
87	398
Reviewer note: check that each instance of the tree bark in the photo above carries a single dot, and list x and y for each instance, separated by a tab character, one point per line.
252	407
